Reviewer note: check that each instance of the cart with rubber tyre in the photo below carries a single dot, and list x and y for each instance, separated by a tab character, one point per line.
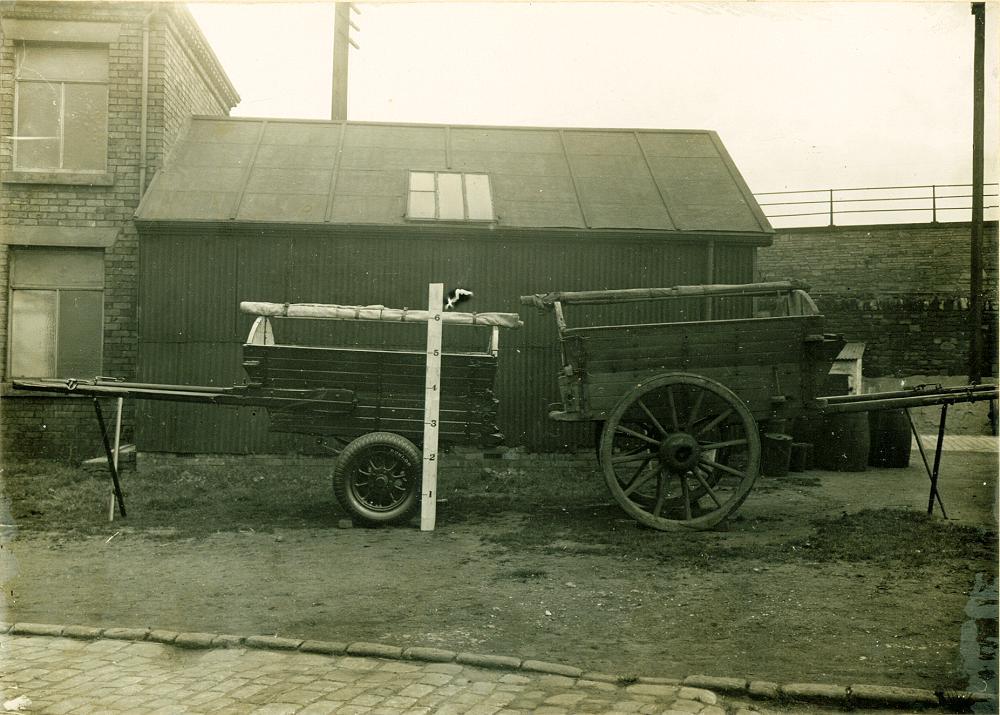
678	403
368	404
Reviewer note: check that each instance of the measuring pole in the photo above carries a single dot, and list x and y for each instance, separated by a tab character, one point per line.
432	407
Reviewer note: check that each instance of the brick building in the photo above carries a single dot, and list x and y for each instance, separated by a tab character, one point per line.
903	289
92	97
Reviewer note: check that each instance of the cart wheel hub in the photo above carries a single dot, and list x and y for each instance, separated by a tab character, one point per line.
680	452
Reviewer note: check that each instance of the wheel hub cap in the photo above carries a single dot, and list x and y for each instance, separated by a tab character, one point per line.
680	452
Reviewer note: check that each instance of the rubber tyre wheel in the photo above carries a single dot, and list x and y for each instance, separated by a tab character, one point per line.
377	479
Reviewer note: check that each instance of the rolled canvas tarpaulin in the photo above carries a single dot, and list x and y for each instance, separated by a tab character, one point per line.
375	312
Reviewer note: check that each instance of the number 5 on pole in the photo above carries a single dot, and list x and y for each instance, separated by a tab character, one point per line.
432	408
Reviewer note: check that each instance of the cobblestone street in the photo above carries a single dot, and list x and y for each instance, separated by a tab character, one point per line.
70	675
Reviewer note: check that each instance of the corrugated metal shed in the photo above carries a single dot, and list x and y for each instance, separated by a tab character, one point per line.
311	172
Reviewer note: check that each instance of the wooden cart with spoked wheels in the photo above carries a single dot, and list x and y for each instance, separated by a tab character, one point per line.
678	403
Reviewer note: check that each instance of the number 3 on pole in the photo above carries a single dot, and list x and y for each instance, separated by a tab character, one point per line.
432	408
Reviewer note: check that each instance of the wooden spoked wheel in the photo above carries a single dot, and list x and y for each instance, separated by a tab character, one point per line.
680	451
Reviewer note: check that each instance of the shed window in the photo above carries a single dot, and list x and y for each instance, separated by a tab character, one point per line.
56	313
450	196
61	94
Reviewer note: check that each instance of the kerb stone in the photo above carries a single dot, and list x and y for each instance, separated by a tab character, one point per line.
816	692
488	661
764	689
227	641
84	632
36	629
323	647
433	655
540	666
162	636
194	640
869	695
272	642
126	634
716	684
374	650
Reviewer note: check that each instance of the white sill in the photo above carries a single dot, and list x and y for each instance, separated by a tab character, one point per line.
75	178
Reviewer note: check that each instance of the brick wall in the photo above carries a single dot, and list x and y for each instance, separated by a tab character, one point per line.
64	427
903	290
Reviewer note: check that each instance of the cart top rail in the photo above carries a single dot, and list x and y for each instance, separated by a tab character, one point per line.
918	396
631	295
322	311
238	395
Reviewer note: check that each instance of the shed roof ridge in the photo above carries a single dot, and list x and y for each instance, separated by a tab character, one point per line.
447	125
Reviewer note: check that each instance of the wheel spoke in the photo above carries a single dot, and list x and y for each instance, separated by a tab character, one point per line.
686	492
673	408
723	467
693	417
632	457
637	481
707	487
652	417
661	492
638	435
709	446
719	418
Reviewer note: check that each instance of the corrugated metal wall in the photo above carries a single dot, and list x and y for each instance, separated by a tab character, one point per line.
193	280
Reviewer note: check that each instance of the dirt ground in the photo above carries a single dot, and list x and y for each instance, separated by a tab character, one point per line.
822	576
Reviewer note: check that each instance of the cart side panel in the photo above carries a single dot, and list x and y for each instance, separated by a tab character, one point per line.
764	360
388	387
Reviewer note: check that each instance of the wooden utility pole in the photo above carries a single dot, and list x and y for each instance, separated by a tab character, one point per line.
341	55
976	262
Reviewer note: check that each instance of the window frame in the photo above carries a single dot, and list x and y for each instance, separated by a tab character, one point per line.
16	169
437	198
14	286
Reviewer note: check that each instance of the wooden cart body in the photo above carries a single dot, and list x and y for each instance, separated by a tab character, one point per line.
384	388
777	365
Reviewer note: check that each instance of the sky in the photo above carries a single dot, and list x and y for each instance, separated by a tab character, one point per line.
804	95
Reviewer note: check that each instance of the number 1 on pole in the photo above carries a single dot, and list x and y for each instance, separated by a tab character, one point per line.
432	407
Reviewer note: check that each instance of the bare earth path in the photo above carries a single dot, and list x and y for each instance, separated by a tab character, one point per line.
752	601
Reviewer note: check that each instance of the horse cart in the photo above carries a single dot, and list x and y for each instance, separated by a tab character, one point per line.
680	406
366	404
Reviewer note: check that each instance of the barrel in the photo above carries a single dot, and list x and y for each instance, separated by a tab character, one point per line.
890	438
844	442
776	451
808	428
801	459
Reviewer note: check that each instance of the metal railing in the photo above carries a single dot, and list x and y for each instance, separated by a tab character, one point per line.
922	203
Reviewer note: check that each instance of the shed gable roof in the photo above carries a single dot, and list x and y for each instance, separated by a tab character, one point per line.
310	172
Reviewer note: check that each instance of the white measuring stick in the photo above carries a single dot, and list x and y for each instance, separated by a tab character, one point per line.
118	437
432	408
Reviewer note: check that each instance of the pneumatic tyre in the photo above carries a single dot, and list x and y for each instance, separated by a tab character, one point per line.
377	478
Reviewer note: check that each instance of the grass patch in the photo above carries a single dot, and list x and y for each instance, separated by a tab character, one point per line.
194	499
895	535
555	509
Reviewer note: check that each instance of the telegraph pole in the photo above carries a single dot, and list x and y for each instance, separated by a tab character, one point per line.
976	262
342	25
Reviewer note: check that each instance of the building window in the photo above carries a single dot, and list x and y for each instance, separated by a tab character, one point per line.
61	95
450	197
56	312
